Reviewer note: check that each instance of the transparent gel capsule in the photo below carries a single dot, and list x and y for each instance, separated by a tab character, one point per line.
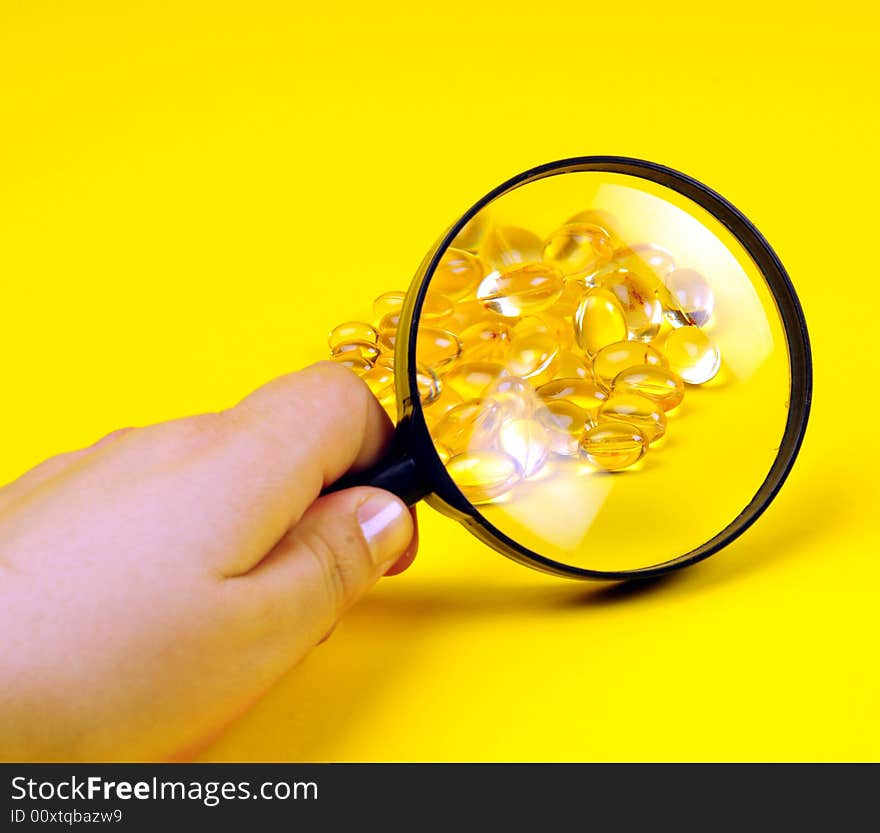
641	306
353	362
472	379
380	381
578	249
614	358
693	293
604	219
584	393
428	384
692	355
527	441
657	383
557	328
442	404
509	247
571	365
386	303
387	330
472	425
565	423
471	235
484	475
612	446
436	348
468	313
599	321
515	397
634	409
565	307
485	341
458	274
533	357
520	291
646	256
351	331
367	350
435	307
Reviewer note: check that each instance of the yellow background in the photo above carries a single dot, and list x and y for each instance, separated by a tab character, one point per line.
192	193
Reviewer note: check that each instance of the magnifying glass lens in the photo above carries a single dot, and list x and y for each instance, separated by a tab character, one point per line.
603	370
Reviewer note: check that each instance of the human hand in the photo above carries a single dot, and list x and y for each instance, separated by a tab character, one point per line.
155	584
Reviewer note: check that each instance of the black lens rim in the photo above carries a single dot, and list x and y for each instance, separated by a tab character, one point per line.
413	431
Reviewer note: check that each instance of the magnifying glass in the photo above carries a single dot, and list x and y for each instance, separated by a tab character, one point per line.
601	369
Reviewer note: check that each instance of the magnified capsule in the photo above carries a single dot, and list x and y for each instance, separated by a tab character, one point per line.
435	307
458	273
634	409
527	441
471	379
657	383
515	397
483	475
693	293
443	403
472	233
436	348
351	331
533	356
472	425
599	321
638	257
386	303
578	249
565	423
365	349
485	341
582	392
520	291
353	362
641	307
598	217
508	247
692	355
468	313
612	446
614	358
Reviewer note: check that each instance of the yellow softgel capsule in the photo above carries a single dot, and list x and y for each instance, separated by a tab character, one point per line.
353	362
457	274
386	303
467	313
472	379
436	348
472	425
599	217
443	403
533	357
527	441
642	257
693	294
641	307
509	247
634	409
428	384
351	331
612	446
380	381
567	303
578	249
657	383
599	321
571	365
484	475
565	423
692	355
584	393
435	307
367	350
485	341
521	291
614	358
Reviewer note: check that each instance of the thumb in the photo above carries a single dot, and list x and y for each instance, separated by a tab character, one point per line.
340	547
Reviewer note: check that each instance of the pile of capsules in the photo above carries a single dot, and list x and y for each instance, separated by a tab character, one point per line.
572	349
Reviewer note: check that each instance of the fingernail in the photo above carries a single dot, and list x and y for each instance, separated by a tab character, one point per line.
387	528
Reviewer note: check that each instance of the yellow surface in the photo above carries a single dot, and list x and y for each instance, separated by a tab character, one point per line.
193	193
